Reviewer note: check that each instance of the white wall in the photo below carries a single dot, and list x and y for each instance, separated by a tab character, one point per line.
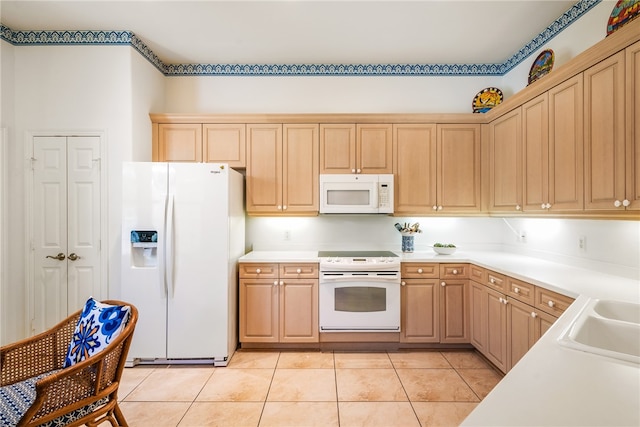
66	89
320	94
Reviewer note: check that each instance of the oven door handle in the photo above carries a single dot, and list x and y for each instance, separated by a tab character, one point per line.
368	279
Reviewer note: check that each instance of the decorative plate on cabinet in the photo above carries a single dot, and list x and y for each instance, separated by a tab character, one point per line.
542	65
623	12
486	99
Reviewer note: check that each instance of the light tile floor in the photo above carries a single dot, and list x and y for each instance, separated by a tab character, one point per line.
259	388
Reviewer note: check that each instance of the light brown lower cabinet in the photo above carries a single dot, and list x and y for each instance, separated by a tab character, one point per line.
278	303
420	300
489	324
435	303
504	328
454	303
525	327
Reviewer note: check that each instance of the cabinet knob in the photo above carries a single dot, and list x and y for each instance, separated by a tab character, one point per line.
358	170
284	208
534	314
279	207
258	271
551	304
420	270
542	206
455	271
516	290
281	282
440	208
299	271
548	206
625	203
617	203
443	284
435	208
403	283
518	207
275	283
353	171
492	280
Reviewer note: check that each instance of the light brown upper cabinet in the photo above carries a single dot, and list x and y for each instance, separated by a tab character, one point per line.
458	164
553	149
177	142
224	143
197	142
437	168
632	166
351	148
505	163
282	169
605	133
414	160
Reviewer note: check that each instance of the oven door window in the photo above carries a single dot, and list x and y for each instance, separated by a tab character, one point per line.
360	299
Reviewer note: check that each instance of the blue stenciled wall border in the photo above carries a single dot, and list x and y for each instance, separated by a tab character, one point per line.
30	38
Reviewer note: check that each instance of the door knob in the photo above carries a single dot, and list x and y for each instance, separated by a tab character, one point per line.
73	256
59	257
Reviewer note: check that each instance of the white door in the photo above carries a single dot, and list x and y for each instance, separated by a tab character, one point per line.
66	226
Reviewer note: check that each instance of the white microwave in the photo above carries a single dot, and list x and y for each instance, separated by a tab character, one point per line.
356	194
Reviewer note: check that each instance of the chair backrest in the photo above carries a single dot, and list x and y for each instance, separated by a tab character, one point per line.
94	379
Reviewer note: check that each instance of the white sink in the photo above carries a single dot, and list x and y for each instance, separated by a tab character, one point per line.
618	310
608	328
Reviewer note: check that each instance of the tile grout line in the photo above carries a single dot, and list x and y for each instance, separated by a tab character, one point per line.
405	390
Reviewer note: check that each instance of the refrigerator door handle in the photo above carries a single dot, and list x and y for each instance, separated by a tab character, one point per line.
168	280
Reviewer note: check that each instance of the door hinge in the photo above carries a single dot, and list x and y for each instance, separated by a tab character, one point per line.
33	160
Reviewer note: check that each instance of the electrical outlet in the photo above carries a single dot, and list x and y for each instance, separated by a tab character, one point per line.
287	235
582	243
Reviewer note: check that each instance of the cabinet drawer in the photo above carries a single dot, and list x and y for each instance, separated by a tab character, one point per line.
496	281
520	290
551	302
251	270
454	271
477	274
299	271
415	270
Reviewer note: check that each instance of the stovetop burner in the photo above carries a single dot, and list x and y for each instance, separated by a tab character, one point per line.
356	254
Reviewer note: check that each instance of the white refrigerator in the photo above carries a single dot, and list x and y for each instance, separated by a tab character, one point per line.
182	234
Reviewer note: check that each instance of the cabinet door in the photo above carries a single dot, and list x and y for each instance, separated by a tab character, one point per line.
566	162
264	168
454	311
535	147
414	160
496	345
478	316
299	310
520	330
300	169
420	310
604	133
505	162
337	148
543	322
374	148
632	166
179	142
458	163
224	143
258	310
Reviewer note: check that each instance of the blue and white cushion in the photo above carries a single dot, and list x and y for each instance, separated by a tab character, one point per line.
99	324
16	398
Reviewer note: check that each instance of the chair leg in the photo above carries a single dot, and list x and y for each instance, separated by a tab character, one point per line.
119	416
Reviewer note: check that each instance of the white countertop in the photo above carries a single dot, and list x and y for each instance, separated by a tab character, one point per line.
551	385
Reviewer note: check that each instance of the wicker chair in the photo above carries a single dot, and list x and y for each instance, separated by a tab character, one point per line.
85	393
